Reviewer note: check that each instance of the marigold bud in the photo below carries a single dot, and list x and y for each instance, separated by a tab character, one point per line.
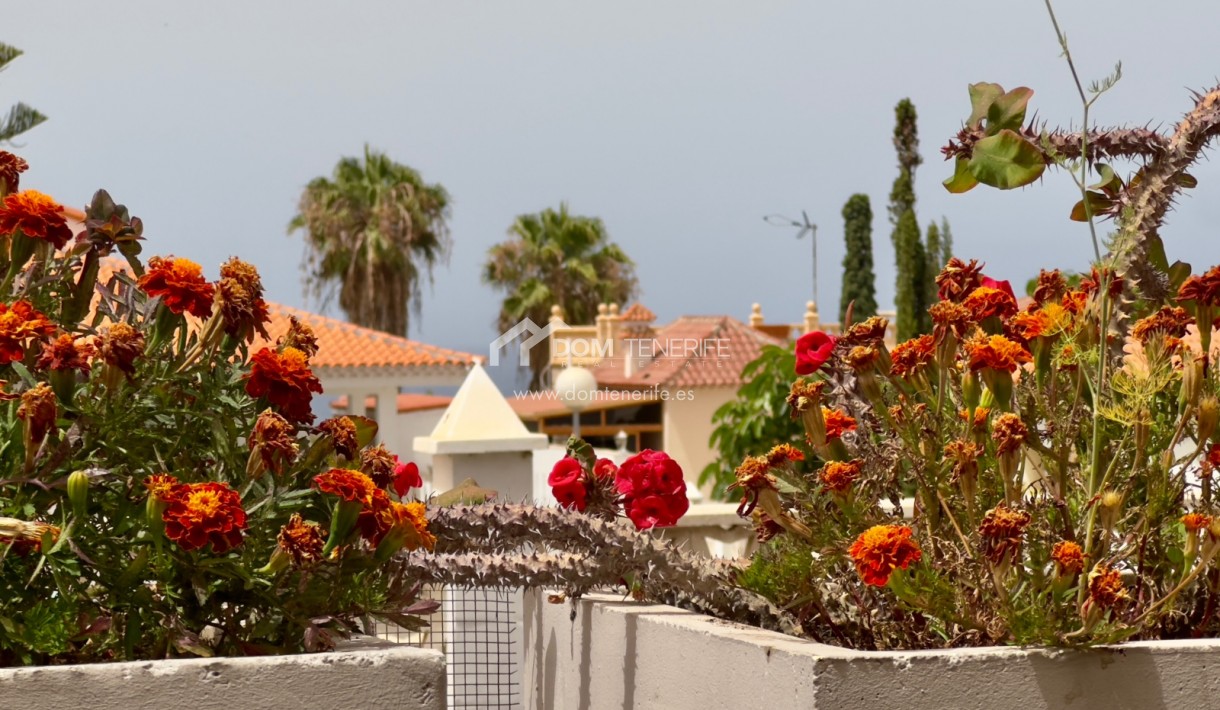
78	493
1208	416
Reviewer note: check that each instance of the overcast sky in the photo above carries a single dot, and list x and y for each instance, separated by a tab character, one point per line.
679	123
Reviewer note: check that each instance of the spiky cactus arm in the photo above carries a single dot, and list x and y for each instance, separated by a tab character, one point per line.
1104	143
1150	199
517	545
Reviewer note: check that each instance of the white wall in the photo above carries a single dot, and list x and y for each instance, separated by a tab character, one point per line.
688	426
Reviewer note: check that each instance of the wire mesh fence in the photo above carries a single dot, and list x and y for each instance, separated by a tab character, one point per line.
479	631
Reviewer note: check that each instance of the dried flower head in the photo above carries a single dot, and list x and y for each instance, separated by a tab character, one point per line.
958	279
862	357
1068	558
285	379
66	352
1168	322
343	436
1194	522
11	167
20	323
1106	587
804	394
300	336
980	418
39	410
764	527
205	513
870	332
25	536
1050	288
839	476
301	541
783	453
1009	433
240	296
837	423
986	302
378	464
1002	531
964	456
881	549
119	345
951	318
1092	283
274	441
180	284
995	352
912	356
35	215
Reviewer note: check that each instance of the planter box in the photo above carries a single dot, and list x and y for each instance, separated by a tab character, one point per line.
400	677
620	654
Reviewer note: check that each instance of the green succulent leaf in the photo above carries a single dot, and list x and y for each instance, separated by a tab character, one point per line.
1008	111
1006	160
1098	203
982	95
962	180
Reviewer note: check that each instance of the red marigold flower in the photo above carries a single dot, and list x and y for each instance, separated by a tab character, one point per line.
1002	531
342	434
1051	287
657	511
1194	522
160	486
38	410
837	423
958	279
1091	284
839	476
1068	558
782	453
285	379
604	468
1204	290
11	167
66	353
1213	456
180	284
566	471
995	352
401	525
301	541
1106	588
205	513
242	307
881	549
986	302
1170	322
1028	325
571	494
36	215
120	344
20	323
812	351
1074	302
406	477
350	485
912	356
1004	286
273	441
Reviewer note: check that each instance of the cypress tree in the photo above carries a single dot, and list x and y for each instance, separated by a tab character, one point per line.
946	242
932	267
859	283
910	292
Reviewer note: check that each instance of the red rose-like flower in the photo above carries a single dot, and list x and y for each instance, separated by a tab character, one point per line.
180	284
20	323
566	472
880	550
285	379
812	351
38	216
406	477
1004	286
604	468
657	511
571	494
653	490
205	513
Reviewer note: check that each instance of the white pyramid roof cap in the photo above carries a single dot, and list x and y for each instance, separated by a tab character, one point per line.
479	420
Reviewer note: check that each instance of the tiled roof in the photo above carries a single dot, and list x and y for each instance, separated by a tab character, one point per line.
693	351
531	408
638	313
407	402
344	348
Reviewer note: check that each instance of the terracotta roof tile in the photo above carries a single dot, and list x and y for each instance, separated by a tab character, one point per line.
638	313
407	402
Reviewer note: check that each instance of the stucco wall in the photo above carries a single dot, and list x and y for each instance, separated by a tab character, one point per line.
619	654
509	473
688	426
401	678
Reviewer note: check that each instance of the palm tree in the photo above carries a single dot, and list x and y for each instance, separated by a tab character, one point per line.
371	230
20	118
557	258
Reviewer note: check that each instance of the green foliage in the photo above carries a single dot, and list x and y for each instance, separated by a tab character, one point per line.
911	284
373	231
1003	156
21	117
946	244
557	258
757	419
859	283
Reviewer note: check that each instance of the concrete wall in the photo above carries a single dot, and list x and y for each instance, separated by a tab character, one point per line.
406	678
619	654
688	426
509	473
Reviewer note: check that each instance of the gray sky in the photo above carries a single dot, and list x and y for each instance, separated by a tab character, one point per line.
680	124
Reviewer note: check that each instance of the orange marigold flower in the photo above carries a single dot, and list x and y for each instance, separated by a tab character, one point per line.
1106	587
862	357
350	485
980	417
783	453
869	332
285	379
1204	290
1009	433
838	476
1213	456
342	434
19	324
881	549
378	464
912	356
299	336
66	353
837	423
36	215
1074	302
1051	287
754	473
180	284
409	518
301	541
958	279
39	410
274	441
1170	321
1194	522
1091	284
1002	531
11	167
160	486
205	513
804	394
985	302
951	318
240	293
1068	558
1028	325
119	344
995	352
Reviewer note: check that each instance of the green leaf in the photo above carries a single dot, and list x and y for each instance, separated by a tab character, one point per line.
580	450
963	180
1008	111
1006	160
1154	252
366	429
1110	183
982	95
467	492
1178	272
1097	202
